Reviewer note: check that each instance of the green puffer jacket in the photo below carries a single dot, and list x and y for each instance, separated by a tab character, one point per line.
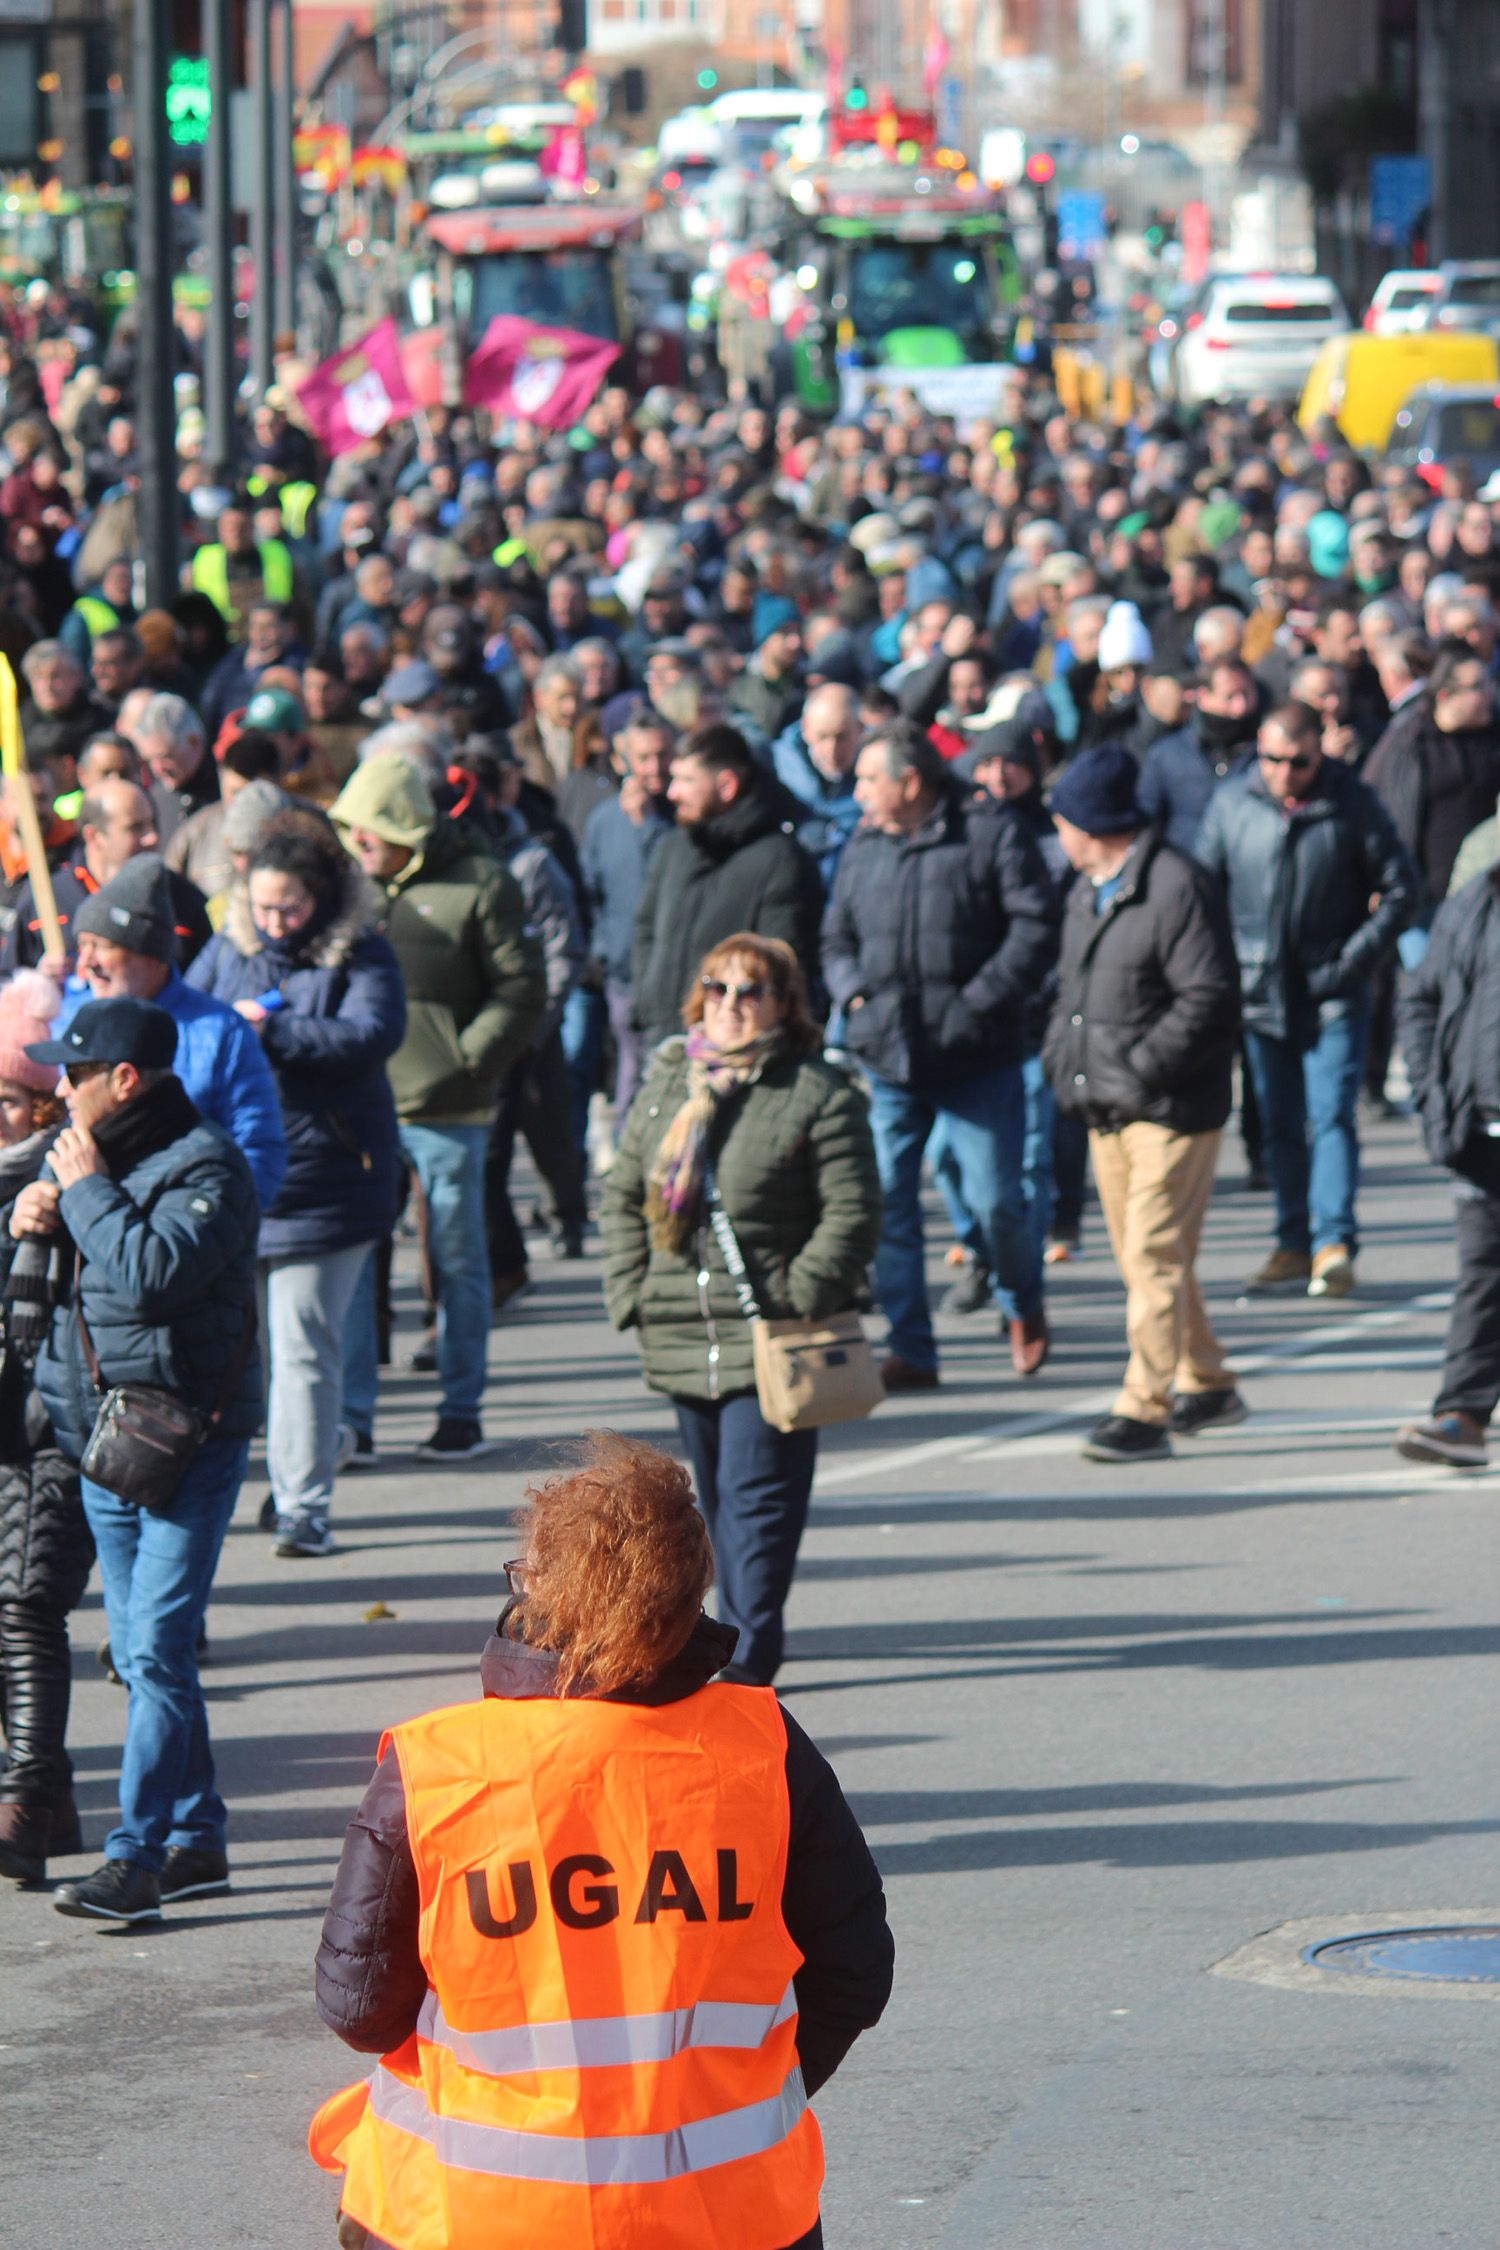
796	1167
475	985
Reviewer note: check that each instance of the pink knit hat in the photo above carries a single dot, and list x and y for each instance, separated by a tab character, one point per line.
28	1003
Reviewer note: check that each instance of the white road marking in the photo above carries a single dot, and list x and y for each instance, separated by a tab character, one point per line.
1013	1432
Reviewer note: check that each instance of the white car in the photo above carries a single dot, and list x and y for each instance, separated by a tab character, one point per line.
1402	301
1256	336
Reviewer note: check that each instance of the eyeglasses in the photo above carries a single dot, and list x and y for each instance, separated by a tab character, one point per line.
516	1574
739	995
76	1073
1295	761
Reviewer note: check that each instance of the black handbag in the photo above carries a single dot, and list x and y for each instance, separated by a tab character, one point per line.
145	1440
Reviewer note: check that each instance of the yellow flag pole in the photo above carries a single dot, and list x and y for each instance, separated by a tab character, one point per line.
23	805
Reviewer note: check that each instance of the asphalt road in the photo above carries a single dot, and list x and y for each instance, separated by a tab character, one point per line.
1104	1728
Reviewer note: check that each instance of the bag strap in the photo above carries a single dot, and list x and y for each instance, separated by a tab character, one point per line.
239	1359
729	1249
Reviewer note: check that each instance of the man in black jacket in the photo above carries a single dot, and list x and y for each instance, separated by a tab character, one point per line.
942	925
161	1209
1450	1036
1140	1044
729	865
1439	779
1319	889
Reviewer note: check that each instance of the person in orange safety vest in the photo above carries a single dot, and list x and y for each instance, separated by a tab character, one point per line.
607	1928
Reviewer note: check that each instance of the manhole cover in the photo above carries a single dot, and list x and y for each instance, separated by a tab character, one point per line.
1457	1956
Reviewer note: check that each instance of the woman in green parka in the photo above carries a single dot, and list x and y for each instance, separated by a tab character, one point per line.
747	1098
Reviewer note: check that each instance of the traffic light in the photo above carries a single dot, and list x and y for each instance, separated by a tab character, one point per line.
572	26
857	98
1041	169
707	80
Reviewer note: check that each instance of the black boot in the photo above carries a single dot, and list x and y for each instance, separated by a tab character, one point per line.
23	1843
38	1669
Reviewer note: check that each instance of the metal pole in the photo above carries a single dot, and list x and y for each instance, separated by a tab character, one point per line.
1438	139
286	186
262	198
156	419
219	367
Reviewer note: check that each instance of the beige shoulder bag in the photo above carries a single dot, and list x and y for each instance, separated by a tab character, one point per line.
808	1373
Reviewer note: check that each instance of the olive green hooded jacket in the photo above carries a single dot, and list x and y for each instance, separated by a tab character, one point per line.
475	983
795	1163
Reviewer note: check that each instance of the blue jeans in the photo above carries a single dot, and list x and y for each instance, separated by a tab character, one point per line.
362	1352
449	1163
754	1484
584	1019
984	1121
157	1570
1070	1172
1036	1163
1307	1098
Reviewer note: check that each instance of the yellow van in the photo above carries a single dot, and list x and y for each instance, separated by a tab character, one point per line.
1363	381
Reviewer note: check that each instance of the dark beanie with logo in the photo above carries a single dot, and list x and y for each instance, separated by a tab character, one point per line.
134	909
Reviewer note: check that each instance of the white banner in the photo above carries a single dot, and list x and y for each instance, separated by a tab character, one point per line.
967	393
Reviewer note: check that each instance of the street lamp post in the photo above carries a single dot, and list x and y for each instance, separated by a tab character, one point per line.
219	371
156	420
285	187
262	198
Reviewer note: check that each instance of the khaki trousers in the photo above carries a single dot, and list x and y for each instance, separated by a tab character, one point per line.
1154	1187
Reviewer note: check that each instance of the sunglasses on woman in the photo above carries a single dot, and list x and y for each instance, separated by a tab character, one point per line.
742	995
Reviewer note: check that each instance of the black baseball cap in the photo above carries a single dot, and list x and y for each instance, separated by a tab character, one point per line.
110	1032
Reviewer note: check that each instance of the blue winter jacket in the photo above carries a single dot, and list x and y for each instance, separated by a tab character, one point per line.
168	1273
832	812
1179	774
615	856
344	1017
223	1072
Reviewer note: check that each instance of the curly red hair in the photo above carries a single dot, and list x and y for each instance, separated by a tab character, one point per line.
618	1561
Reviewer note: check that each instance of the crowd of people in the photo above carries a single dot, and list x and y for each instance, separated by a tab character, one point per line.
745	812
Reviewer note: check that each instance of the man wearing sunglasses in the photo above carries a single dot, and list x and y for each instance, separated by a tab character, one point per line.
1319	888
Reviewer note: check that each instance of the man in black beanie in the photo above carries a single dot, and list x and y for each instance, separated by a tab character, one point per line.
1140	1046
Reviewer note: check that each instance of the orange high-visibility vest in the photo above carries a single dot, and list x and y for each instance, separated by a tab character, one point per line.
607	2051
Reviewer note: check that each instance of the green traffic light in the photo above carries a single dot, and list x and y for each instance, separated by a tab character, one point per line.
707	80
856	98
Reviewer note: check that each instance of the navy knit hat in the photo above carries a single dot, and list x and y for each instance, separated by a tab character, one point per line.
1097	793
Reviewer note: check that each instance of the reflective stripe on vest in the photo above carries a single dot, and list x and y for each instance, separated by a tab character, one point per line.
614	2160
599	2042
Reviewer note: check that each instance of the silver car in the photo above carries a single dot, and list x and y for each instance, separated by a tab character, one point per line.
1467	294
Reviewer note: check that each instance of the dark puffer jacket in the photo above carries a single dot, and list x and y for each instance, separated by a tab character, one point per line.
1449	1021
942	936
168	1253
738	871
46	1551
344	1017
795	1163
371	1981
1299	886
1148	1009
